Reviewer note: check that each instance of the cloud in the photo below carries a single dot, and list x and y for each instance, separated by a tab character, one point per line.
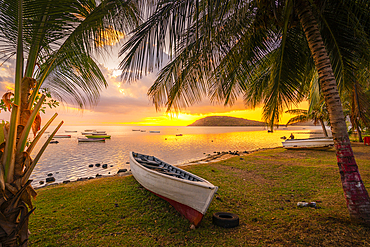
123	103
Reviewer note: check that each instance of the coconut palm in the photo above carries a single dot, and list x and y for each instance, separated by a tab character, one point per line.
317	116
356	105
56	39
267	50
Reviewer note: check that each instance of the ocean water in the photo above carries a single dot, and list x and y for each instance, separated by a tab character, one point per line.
70	160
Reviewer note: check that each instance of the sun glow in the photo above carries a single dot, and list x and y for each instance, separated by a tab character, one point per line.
184	119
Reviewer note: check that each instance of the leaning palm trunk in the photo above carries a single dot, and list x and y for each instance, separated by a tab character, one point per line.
358	201
323	127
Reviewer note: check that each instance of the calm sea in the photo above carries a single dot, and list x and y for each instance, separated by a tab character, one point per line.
70	160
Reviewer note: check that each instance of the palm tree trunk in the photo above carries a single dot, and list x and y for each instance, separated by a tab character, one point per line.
323	127
357	110
358	201
359	134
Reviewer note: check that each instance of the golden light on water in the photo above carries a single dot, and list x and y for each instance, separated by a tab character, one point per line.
244	138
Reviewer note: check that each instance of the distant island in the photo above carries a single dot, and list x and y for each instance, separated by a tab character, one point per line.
226	121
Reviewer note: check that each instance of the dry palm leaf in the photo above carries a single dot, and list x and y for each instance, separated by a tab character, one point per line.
6	99
36	124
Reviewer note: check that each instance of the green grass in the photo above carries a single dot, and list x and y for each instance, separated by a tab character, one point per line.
263	188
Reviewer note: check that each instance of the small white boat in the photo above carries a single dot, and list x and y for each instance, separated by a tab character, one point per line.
81	139
89	131
321	142
154	131
70	131
187	193
98	133
62	136
98	136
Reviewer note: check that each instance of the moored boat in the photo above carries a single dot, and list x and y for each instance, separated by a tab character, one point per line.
187	193
154	131
98	136
62	136
70	131
100	132
81	139
321	142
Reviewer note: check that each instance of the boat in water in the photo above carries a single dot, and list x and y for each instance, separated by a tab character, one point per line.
62	136
100	132
187	193
154	131
70	131
98	136
321	142
81	139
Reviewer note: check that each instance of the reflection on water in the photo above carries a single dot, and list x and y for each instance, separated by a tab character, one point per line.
70	160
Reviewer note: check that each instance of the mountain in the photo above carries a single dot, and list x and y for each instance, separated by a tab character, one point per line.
226	121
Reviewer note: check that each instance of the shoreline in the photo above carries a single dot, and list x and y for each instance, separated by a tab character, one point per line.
211	158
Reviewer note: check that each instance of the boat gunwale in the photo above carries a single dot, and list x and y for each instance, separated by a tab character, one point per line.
203	183
311	139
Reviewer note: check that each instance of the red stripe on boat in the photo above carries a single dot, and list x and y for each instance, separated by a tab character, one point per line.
189	213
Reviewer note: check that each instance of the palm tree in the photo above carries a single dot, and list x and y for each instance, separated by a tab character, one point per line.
267	50
316	116
356	104
58	39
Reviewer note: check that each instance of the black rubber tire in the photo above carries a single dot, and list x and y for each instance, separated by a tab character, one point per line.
225	220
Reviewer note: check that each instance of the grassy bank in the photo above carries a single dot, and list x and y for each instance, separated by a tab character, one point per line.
263	188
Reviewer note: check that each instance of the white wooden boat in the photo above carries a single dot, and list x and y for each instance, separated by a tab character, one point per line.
100	132
187	193
154	131
97	134
321	142
81	139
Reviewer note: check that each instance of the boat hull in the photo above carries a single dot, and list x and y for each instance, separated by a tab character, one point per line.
308	143
62	136
98	136
190	198
91	140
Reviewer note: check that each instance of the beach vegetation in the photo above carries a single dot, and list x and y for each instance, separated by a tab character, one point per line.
262	188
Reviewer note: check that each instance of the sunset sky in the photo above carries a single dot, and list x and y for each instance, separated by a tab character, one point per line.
128	104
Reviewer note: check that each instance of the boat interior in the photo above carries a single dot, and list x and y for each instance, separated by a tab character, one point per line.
159	166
